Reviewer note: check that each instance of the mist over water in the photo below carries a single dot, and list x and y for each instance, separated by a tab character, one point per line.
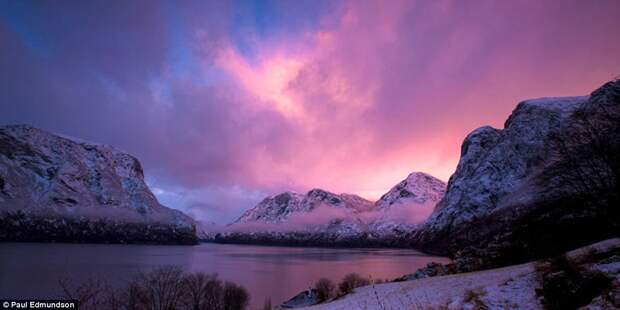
34	270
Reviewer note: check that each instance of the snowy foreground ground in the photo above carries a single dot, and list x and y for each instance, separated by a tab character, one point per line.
503	288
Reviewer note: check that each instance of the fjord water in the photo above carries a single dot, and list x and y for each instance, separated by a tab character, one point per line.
33	270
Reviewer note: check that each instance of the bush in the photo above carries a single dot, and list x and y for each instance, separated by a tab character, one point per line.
565	284
474	297
161	288
324	289
164	288
350	282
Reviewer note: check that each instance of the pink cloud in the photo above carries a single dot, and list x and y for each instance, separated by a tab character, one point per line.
383	90
352	103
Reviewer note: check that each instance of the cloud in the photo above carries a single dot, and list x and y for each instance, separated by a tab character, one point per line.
350	97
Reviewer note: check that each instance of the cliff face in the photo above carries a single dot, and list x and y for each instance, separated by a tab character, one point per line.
542	184
59	189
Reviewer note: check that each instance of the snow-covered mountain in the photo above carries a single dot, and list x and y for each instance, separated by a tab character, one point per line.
418	188
63	189
207	230
497	167
404	206
546	182
321	217
279	208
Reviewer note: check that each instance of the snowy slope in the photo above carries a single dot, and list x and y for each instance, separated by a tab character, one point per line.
511	287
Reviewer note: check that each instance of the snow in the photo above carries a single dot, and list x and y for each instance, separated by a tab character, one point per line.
344	215
497	166
564	104
512	287
417	188
504	288
49	174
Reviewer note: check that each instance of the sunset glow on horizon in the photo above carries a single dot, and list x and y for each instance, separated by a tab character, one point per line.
225	103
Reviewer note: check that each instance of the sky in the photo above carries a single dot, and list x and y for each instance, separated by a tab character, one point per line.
225	103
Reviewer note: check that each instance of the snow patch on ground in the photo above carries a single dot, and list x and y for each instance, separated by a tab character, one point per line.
504	288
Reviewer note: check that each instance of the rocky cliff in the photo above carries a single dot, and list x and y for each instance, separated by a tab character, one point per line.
54	188
545	183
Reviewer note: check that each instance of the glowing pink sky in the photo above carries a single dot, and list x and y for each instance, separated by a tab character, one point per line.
227	102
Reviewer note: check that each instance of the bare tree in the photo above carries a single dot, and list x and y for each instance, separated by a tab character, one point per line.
202	291
164	288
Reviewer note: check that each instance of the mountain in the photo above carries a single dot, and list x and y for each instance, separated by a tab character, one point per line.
206	230
545	183
323	218
279	208
404	206
55	188
418	188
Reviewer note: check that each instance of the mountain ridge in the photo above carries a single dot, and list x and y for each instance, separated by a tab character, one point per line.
51	182
322	218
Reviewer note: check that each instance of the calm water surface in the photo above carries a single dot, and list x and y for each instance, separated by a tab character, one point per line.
34	269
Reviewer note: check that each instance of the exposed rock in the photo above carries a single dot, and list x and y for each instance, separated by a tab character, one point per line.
303	299
431	270
60	189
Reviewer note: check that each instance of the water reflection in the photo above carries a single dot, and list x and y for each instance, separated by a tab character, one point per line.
33	270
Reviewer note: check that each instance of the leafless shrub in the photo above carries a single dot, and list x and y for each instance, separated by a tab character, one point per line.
325	289
164	288
350	282
203	291
160	289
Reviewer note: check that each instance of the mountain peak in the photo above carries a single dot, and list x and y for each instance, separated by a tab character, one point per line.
278	208
418	187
